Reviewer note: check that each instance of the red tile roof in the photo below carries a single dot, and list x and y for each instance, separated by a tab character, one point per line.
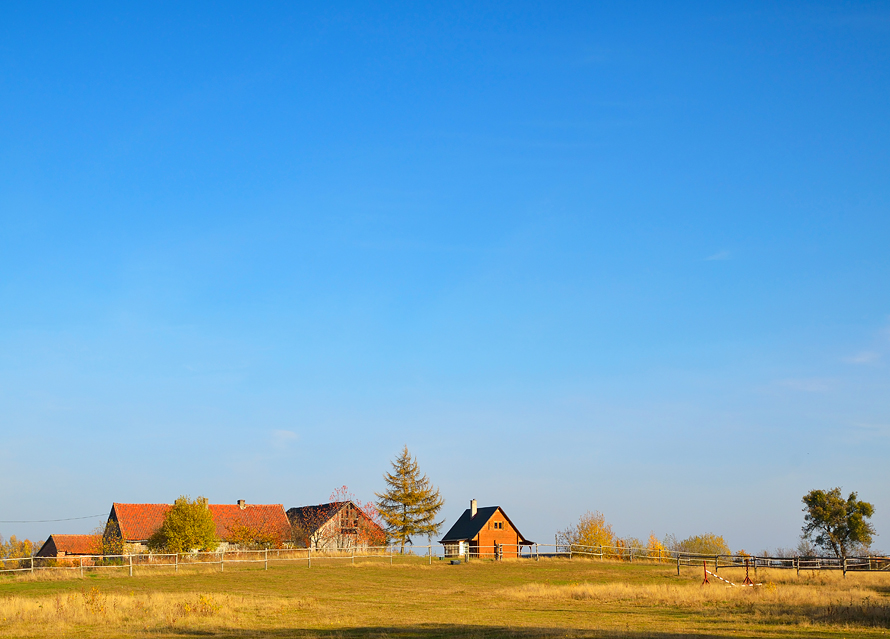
70	545
267	518
139	521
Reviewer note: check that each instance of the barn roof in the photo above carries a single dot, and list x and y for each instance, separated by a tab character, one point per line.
467	526
139	521
70	545
314	517
262	517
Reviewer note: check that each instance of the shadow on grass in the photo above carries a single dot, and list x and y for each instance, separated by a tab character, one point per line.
441	631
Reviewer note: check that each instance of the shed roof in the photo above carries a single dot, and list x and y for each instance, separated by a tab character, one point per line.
70	545
467	526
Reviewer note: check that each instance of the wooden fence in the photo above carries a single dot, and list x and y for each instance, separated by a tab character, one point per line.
131	564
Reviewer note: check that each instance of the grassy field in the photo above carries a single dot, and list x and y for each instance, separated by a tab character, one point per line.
549	598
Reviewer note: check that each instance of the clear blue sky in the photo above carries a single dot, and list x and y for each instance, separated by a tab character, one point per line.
624	257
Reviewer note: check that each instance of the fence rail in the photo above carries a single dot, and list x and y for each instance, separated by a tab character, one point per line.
131	563
631	554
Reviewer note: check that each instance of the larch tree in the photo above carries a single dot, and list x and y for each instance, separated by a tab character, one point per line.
410	504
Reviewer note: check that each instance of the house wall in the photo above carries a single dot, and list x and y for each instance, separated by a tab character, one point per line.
341	531
456	549
484	542
135	547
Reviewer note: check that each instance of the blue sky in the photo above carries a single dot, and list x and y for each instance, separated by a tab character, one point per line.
624	257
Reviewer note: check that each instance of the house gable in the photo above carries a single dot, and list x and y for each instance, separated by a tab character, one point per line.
323	524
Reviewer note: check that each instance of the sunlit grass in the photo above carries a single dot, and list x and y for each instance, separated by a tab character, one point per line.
482	599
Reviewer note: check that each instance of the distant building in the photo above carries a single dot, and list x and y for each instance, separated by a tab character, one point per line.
70	545
483	532
338	524
237	525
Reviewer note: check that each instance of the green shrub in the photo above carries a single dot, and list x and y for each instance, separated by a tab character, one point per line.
187	526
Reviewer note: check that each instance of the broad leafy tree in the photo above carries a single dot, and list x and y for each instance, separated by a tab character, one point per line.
835	523
591	530
706	544
410	504
187	526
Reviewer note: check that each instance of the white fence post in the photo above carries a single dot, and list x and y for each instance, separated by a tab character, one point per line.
266	560
310	554
176	562
131	564
81	567
222	561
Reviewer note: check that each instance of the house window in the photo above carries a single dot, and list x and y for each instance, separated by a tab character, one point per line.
498	525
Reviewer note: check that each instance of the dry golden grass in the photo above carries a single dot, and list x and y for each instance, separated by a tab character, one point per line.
131	613
482	599
789	603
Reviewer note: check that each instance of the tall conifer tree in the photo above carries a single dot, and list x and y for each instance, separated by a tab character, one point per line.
410	504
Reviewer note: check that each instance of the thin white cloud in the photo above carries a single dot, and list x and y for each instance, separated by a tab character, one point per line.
718	257
281	438
870	432
865	357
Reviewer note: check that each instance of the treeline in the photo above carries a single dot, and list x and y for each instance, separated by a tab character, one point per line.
14	549
593	530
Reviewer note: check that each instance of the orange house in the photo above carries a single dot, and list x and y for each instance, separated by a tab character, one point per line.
484	532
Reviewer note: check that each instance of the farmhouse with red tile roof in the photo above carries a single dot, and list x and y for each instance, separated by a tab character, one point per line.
236	524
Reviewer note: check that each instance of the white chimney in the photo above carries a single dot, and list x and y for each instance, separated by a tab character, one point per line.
472	508
241	504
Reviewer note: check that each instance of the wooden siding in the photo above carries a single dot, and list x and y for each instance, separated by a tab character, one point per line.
485	543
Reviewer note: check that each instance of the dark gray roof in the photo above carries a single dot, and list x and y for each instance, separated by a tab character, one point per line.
314	517
467	527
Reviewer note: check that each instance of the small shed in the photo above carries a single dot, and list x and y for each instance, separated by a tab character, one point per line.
68	545
484	532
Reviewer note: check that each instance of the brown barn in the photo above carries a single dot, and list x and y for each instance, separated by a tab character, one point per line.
339	524
238	524
70	545
481	532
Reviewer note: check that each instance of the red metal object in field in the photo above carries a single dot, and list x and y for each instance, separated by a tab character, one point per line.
705	566
747	581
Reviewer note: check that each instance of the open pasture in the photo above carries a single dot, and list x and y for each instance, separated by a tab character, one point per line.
549	598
